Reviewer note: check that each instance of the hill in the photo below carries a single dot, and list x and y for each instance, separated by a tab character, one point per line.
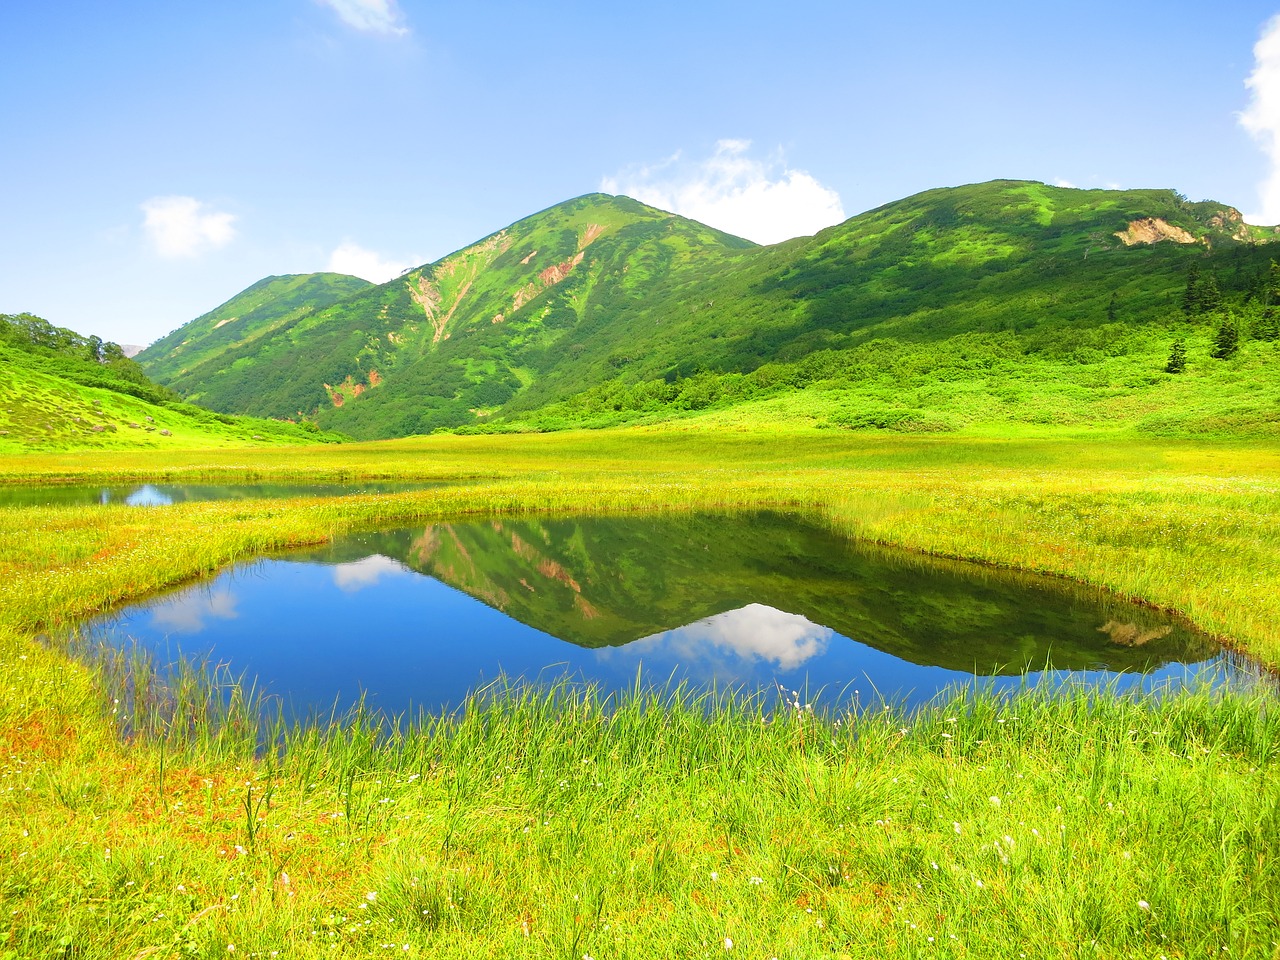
59	389
467	332
917	315
271	304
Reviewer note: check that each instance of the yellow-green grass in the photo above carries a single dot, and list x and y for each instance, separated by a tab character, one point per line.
537	826
41	412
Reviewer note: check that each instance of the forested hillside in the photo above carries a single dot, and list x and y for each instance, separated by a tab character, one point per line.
999	302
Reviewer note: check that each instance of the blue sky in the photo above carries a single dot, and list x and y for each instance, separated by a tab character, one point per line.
158	157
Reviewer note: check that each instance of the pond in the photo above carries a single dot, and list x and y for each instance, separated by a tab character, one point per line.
416	618
164	494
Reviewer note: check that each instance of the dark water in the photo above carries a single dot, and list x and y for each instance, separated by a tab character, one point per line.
163	494
416	618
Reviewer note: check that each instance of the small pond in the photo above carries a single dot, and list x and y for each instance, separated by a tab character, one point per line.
163	494
416	618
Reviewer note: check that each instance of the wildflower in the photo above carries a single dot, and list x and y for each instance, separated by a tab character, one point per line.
371	896
1144	906
755	881
955	826
728	943
714	875
995	801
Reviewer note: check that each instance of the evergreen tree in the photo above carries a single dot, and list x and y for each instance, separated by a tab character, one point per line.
1209	298
1111	309
1202	294
1177	358
1268	325
1190	296
1226	343
1271	286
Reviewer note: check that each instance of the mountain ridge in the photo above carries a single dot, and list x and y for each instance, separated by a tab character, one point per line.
604	293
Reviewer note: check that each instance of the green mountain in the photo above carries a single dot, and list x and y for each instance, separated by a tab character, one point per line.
264	308
61	390
464	334
985	303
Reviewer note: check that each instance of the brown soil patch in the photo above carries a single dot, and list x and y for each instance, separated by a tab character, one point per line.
1153	230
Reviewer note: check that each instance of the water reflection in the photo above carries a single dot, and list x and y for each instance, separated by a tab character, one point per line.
145	496
422	616
190	612
752	634
165	494
358	574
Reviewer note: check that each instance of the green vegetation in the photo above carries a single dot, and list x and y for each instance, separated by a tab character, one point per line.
424	350
984	373
1136	827
270	305
35	344
61	390
959	309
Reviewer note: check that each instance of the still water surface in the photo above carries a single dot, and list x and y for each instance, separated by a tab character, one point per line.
164	494
417	618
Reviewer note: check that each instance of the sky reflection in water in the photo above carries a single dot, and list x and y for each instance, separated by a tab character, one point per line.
165	494
416	618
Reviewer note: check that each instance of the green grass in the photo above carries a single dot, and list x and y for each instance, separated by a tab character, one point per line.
550	823
42	411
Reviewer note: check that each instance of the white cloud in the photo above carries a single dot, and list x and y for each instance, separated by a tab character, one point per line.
1059	182
1262	117
762	200
369	16
182	227
353	259
354	576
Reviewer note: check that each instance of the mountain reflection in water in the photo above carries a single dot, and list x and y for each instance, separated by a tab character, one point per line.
422	616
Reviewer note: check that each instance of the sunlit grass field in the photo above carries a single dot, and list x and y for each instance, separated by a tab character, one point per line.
551	824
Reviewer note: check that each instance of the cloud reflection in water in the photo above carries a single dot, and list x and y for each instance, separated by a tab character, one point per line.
745	637
188	611
354	576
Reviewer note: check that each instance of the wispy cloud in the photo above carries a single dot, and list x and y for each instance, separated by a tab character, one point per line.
183	227
762	200
353	259
369	16
1262	117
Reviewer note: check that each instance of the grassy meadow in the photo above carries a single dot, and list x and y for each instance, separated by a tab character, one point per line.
548	823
